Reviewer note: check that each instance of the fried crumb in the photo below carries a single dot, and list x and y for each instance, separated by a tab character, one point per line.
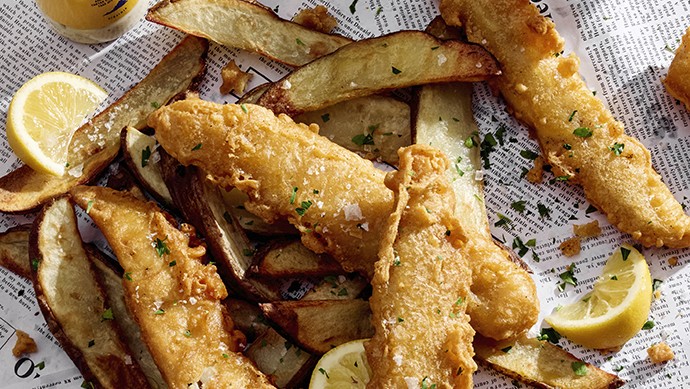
537	172
588	230
25	344
657	294
317	19
673	261
234	79
660	353
570	247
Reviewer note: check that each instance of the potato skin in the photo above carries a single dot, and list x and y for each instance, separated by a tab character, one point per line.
543	90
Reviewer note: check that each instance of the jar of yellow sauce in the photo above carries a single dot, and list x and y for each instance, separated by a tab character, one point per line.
93	21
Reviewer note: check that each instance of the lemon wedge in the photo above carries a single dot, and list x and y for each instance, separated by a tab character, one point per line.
617	307
343	367
44	114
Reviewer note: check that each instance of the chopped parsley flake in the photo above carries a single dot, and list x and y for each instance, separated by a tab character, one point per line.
342	292
531	243
159	312
244	108
625	253
506	349
321	370
618	369
568	277
89	205
128	276
648	325
188	333
299	41
544	211
34	264
549	334
400	320
362	139
472	140
326	117
162	247
562	178
91	343
396	261
155	104
303	208
395	70
517	244
614	278
572	115
226	356
427	385
294	194
583	132
197	147
87	385
519	205
172	263
379	10
579	368
528	154
460	300
145	155
617	148
107	314
567	146
502	221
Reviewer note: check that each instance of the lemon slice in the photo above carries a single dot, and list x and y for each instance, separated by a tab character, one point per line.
615	310
44	114
343	367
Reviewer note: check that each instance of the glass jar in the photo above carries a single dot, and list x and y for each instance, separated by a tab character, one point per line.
93	21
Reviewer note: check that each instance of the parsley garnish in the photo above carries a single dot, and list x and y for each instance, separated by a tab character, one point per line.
197	147
618	369
34	264
614	278
362	139
426	385
299	42
226	356
188	333
486	147
625	252
159	312
531	243
617	148
342	292
326	117
155	104
549	334
244	108
89	205
567	146
460	300
395	70
303	208
321	370
294	194
107	314
506	349
648	325
87	385
400	320
570	119
91	343
172	263
562	178
162	247
517	244
128	276
543	210
583	132
472	140
579	368
145	155
502	221
396	261
568	277
519	205
379	10
528	154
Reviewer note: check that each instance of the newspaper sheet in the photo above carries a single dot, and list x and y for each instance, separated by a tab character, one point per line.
625	47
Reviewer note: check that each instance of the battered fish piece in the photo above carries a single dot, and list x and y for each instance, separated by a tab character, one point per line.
578	136
174	298
677	81
421	283
337	200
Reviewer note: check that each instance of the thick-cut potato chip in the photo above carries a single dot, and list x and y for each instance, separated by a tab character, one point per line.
14	250
246	25
677	81
141	156
369	66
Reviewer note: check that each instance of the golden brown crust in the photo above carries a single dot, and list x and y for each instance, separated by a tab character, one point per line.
317	19
660	353
543	91
677	81
421	283
172	295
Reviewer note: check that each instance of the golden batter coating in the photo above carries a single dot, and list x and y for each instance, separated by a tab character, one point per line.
579	137
421	283
677	81
173	296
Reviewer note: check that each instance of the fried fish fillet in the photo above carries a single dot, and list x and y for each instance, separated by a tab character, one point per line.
174	298
579	137
337	200
677	81
421	283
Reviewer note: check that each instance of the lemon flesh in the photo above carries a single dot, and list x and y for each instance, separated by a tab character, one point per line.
617	307
44	114
344	367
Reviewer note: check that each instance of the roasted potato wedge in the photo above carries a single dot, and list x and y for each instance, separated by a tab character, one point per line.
140	155
319	325
73	301
676	82
374	65
14	250
234	204
202	205
341	287
286	364
506	302
246	25
374	126
174	297
96	143
541	364
289	258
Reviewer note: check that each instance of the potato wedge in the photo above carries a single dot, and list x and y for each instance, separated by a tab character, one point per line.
253	95
506	302
96	143
202	205
247	317
14	250
289	258
676	81
234	204
74	303
140	155
373	126
541	364
370	66
174	297
246	25
319	325
286	364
